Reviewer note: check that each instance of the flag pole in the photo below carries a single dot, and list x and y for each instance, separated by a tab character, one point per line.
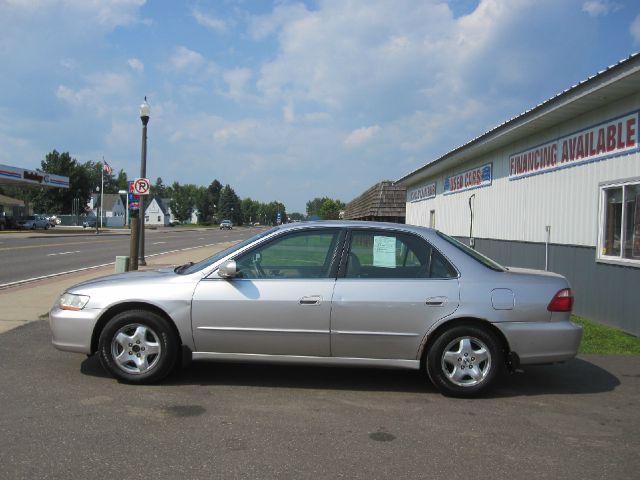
102	194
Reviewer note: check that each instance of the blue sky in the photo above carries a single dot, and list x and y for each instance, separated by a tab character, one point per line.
288	100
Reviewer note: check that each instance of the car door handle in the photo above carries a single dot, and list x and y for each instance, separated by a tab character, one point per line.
436	301
311	300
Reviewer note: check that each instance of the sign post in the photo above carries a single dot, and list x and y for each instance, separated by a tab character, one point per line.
140	186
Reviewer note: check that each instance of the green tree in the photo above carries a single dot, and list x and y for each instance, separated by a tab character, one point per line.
60	200
249	209
214	192
183	199
159	189
325	208
208	201
296	216
122	181
313	206
330	209
95	172
229	207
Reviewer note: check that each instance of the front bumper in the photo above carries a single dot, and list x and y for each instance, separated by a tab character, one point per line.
72	330
542	342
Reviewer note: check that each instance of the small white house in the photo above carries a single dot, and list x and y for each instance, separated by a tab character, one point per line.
159	213
113	214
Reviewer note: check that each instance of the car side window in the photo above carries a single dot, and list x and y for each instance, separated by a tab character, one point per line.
379	254
306	254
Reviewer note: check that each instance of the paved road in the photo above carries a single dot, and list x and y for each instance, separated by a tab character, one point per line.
62	417
23	257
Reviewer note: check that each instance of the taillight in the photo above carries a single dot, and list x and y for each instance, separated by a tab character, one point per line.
562	301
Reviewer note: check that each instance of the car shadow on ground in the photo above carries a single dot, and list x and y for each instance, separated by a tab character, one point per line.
574	377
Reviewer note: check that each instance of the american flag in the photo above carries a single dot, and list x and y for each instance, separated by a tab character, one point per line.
107	168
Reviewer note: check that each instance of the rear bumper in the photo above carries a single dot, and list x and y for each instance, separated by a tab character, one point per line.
542	342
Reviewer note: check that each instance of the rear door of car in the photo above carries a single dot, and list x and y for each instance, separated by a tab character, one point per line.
280	303
391	287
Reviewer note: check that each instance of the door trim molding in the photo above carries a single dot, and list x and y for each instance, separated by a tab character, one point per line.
308	360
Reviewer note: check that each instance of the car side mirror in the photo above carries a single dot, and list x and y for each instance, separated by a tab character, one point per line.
228	269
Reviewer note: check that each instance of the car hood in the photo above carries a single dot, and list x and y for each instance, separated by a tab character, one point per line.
128	278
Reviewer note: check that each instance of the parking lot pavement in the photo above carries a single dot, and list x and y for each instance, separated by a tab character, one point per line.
62	417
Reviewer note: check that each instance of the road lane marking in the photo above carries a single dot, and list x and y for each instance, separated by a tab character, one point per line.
26	247
158	243
62	253
51	275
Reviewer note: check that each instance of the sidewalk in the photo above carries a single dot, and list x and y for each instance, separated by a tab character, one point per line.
27	303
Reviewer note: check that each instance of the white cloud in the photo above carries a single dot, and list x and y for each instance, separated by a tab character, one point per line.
237	80
184	59
361	135
262	26
209	21
288	112
98	93
136	65
634	28
111	13
596	8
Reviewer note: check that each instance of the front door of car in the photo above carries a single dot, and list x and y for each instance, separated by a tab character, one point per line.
278	304
392	287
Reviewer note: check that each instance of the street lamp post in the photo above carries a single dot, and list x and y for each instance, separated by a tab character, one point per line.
144	116
98	207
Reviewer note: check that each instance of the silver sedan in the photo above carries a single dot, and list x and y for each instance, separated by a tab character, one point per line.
327	293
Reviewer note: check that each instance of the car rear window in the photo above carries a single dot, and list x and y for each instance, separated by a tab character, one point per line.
486	261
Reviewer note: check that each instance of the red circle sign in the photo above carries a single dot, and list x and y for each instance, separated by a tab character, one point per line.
141	186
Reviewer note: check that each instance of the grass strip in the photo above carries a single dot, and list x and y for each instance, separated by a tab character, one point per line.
602	339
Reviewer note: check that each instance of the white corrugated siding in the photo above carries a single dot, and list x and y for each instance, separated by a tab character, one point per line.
567	199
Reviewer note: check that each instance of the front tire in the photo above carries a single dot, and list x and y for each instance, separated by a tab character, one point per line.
465	361
138	346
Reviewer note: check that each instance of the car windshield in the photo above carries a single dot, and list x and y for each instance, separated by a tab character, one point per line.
486	261
220	255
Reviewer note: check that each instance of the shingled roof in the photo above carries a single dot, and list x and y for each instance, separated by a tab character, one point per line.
383	202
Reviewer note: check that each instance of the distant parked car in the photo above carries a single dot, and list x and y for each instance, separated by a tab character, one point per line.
327	293
89	222
52	219
32	222
226	225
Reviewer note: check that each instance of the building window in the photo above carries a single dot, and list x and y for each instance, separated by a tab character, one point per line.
619	233
432	219
158	217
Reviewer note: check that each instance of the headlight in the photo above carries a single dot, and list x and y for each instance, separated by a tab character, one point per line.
69	301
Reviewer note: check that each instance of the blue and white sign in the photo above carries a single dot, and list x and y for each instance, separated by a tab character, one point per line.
468	180
422	192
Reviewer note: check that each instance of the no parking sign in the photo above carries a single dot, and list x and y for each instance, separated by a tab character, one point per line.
141	186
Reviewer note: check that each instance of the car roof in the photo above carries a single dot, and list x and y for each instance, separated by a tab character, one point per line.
357	224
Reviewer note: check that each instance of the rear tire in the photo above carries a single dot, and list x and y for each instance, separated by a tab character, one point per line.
138	346
465	361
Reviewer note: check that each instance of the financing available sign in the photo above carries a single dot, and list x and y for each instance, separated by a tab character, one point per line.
599	142
469	179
